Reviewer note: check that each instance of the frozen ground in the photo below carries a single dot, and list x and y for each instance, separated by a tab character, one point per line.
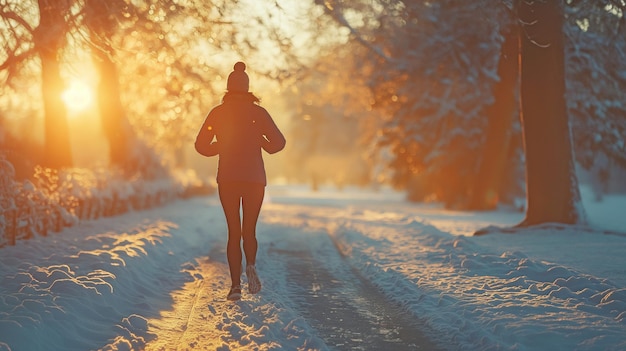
349	270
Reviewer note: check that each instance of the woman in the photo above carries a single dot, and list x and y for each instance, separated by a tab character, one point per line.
241	128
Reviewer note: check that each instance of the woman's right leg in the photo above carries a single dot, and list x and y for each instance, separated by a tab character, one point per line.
251	202
230	199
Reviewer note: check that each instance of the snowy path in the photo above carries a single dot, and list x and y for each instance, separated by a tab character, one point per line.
348	312
306	282
156	280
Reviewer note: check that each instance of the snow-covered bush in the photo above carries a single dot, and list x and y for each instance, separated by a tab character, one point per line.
7	203
55	199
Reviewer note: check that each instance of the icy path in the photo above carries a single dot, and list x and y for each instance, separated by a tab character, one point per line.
311	299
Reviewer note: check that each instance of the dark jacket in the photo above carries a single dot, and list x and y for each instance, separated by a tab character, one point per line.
241	129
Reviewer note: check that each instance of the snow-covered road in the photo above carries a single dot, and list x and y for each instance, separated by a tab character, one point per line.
348	312
341	271
312	298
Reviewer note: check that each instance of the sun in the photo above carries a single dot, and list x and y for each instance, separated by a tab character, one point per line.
78	96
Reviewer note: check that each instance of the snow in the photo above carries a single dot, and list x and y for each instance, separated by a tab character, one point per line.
157	279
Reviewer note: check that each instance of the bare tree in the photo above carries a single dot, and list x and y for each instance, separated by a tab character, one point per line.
49	39
149	77
24	41
551	182
101	19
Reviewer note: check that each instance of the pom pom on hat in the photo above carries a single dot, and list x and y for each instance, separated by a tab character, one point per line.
239	66
238	79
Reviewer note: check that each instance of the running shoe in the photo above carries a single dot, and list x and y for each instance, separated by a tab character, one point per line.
254	284
235	293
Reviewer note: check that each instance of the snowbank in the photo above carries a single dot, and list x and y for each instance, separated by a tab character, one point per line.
90	286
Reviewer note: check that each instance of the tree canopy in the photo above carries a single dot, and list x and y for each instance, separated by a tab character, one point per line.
413	85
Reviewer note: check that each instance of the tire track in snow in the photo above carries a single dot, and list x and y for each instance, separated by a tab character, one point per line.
347	311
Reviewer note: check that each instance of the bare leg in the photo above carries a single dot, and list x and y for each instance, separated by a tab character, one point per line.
230	199
252	200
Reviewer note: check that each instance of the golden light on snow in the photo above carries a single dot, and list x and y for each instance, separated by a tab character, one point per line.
78	96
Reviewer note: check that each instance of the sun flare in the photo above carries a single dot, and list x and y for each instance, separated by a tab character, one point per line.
78	96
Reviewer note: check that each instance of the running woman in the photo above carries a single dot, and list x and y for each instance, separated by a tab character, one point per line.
237	130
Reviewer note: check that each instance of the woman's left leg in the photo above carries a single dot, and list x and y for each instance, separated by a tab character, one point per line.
230	198
251	202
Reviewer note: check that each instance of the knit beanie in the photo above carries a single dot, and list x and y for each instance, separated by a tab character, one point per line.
238	79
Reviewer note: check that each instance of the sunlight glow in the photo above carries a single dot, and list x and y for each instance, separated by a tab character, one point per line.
78	96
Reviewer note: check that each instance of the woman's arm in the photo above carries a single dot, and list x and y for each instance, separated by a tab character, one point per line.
273	140
204	141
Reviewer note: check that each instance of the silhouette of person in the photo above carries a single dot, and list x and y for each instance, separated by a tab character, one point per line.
237	130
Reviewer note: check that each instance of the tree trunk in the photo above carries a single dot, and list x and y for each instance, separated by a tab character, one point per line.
488	182
551	183
49	36
101	24
111	110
